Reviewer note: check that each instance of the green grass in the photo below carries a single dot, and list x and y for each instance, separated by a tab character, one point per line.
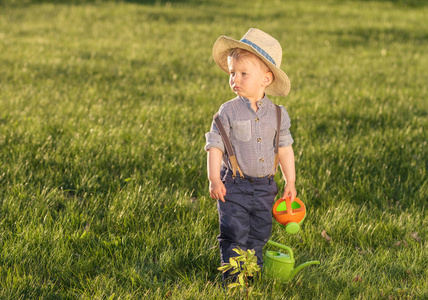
103	110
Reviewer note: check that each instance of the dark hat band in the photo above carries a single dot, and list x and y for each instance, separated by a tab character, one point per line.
259	50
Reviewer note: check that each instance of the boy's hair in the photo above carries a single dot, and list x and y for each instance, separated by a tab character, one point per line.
238	53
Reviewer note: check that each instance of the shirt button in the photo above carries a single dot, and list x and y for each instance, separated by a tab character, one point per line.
256	119
259	140
262	159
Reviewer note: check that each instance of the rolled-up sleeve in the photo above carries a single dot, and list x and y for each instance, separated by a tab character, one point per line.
213	139
285	138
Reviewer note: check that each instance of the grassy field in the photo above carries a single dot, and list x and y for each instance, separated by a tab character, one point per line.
103	111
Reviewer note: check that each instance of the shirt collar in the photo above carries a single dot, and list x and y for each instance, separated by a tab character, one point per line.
261	103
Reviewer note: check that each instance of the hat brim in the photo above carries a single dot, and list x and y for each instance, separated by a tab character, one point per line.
281	83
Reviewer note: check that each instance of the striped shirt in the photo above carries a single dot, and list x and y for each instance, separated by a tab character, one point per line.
251	133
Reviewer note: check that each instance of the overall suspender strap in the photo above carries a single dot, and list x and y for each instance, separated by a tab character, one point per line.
278	128
228	146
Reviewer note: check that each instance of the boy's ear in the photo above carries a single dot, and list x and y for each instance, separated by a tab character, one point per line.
268	78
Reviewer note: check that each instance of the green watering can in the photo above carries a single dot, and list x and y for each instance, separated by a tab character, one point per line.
280	265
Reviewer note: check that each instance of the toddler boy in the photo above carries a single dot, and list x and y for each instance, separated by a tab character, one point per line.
249	122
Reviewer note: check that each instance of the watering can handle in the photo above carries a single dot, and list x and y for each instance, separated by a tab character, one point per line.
288	249
288	204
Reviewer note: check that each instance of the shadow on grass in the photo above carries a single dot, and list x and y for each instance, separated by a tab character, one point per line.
363	36
81	2
151	2
405	3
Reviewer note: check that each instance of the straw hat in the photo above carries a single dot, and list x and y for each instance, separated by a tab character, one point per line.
265	47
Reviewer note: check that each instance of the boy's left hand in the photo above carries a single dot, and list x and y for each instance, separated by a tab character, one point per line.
290	190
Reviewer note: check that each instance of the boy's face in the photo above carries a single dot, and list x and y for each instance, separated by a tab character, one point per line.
248	78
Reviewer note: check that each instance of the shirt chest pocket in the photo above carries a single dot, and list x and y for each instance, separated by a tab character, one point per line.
242	130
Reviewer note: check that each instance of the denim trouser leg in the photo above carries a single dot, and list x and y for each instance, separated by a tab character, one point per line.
246	216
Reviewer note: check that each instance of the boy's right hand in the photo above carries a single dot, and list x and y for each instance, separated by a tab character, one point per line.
217	190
